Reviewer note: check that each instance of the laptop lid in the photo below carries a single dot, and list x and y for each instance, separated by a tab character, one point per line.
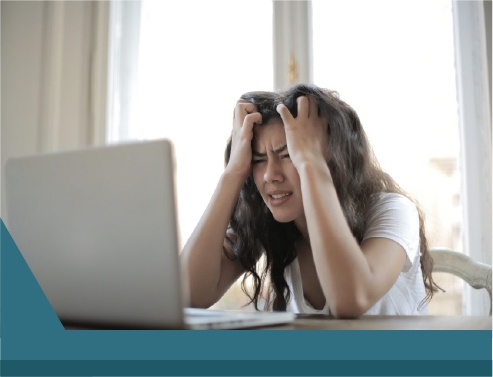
98	229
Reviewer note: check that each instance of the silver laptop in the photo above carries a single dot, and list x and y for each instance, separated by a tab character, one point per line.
98	229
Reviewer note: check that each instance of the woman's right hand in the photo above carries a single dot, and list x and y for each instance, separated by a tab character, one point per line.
240	161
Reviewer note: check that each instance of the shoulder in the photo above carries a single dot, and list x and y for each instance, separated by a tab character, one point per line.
392	207
395	217
386	200
391	210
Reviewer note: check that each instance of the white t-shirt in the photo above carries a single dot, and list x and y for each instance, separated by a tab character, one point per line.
394	217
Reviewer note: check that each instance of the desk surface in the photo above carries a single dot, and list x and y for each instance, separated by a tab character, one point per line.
321	322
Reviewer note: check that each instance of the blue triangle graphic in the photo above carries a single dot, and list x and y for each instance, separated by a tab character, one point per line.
23	302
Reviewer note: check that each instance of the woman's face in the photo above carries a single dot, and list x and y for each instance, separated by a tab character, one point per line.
276	177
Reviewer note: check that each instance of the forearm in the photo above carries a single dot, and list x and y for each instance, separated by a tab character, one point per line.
203	250
343	270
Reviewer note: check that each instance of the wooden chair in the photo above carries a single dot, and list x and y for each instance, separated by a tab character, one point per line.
476	274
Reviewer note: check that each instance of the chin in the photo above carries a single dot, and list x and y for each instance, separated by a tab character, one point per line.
283	217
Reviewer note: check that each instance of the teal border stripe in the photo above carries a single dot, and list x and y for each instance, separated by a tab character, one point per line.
247	368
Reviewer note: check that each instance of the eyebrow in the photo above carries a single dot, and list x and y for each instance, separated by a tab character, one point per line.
278	150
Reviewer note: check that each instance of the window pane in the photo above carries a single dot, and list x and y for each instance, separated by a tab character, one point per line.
194	63
393	62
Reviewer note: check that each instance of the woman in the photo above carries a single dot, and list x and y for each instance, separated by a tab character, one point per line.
302	186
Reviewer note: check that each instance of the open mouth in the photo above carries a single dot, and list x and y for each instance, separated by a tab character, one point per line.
280	199
279	196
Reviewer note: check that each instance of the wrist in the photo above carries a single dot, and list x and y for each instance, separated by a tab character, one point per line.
305	158
315	168
233	178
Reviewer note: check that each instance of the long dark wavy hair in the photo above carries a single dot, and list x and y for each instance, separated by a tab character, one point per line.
358	180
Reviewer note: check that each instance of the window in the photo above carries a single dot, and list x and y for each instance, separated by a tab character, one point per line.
393	62
191	71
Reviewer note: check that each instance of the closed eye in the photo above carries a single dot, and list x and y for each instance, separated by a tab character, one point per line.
257	161
285	156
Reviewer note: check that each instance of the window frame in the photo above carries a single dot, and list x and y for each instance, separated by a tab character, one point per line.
474	107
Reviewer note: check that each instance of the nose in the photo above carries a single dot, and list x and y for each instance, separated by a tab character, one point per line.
273	172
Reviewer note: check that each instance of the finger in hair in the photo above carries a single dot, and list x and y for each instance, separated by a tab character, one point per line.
252	119
303	107
284	113
248	107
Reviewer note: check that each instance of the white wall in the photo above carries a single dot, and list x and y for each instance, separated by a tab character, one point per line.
21	30
53	77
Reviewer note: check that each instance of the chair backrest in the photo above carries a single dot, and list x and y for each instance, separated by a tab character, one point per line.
476	274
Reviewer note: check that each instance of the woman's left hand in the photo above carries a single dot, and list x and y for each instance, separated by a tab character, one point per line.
306	135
